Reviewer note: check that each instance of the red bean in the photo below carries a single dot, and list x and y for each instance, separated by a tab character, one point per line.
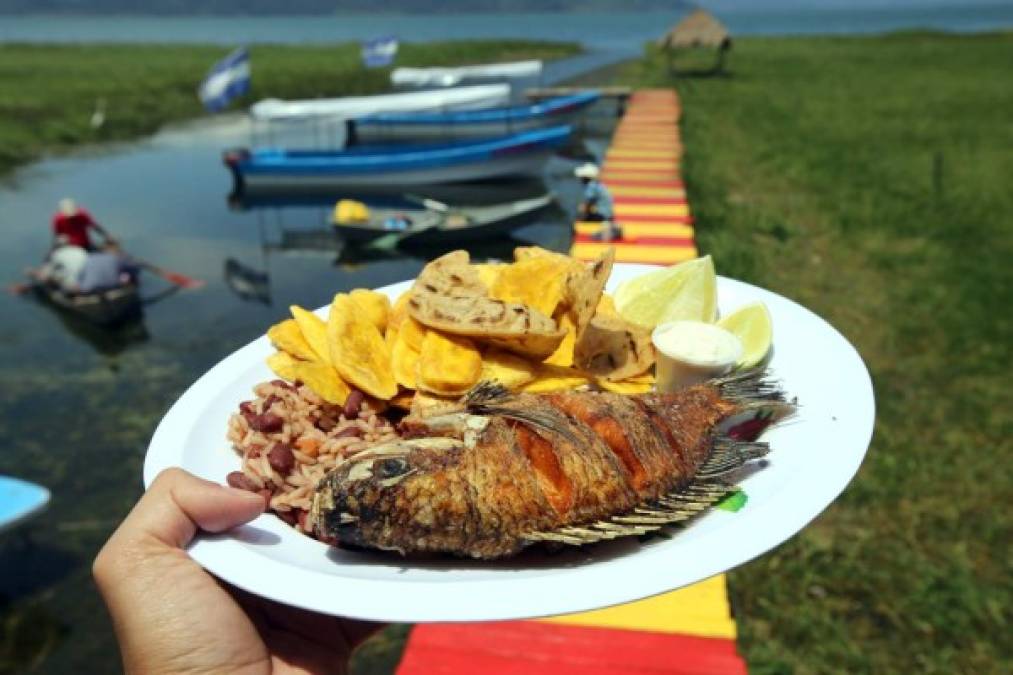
268	402
240	481
349	431
290	517
303	517
268	422
246	407
353	403
283	384
281	458
326	423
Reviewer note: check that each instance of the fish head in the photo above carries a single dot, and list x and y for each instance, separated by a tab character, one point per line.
373	490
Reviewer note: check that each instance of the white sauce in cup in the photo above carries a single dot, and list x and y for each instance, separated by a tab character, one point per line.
690	352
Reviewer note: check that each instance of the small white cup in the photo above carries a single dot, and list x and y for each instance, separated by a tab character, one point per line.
690	352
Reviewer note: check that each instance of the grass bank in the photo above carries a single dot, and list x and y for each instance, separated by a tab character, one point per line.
869	179
49	92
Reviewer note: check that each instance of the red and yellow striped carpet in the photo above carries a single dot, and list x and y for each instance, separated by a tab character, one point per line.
685	632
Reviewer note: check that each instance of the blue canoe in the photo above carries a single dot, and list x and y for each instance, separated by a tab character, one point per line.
470	123
20	500
397	165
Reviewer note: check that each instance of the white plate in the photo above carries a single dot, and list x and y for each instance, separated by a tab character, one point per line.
812	460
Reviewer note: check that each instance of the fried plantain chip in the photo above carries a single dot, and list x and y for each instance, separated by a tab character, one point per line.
413	333
448	364
286	336
403	362
323	379
400	310
283	365
314	330
427	403
538	282
638	384
508	369
614	349
357	349
563	356
513	327
606	306
488	272
554	378
375	305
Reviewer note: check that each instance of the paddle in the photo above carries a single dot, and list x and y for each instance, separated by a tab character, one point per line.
180	280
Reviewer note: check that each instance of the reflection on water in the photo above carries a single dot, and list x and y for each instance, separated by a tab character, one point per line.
81	402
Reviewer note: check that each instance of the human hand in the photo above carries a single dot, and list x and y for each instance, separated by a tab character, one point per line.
171	616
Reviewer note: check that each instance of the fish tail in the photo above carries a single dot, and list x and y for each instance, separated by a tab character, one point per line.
754	391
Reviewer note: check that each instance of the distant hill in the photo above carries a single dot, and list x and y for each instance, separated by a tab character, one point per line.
274	7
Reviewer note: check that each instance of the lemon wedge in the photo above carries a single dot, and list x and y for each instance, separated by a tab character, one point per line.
683	292
753	326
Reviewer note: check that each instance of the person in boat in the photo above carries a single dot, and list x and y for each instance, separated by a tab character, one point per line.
76	224
62	266
105	269
597	203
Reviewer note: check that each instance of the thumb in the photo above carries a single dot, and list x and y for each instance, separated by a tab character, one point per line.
178	504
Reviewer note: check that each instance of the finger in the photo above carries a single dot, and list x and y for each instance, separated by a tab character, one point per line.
178	504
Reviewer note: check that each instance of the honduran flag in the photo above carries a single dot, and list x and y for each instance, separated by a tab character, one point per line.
226	80
379	52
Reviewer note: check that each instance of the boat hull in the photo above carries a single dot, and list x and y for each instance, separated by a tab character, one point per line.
476	124
102	308
431	229
459	98
465	172
518	154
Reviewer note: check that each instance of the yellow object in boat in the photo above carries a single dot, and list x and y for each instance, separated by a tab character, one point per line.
350	211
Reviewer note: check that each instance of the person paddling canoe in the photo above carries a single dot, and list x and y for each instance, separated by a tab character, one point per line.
74	223
597	203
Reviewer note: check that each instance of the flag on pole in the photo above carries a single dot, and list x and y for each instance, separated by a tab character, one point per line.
379	52
226	80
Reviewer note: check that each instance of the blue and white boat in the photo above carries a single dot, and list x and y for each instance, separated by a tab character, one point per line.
397	165
399	126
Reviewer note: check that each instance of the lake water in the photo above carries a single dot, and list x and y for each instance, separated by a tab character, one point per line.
604	31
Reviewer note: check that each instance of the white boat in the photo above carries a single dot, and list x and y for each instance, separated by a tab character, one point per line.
474	97
448	77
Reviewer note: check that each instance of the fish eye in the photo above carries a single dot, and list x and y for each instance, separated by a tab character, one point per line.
391	467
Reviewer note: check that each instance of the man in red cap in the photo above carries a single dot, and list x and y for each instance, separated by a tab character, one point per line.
73	223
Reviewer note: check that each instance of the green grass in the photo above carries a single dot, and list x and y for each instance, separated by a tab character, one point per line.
48	92
871	179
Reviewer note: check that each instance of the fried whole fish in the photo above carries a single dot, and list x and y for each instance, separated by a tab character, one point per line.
505	470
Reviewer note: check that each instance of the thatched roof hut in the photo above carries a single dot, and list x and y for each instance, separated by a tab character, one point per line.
698	29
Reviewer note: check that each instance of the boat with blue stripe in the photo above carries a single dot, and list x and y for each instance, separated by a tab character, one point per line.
397	126
397	165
